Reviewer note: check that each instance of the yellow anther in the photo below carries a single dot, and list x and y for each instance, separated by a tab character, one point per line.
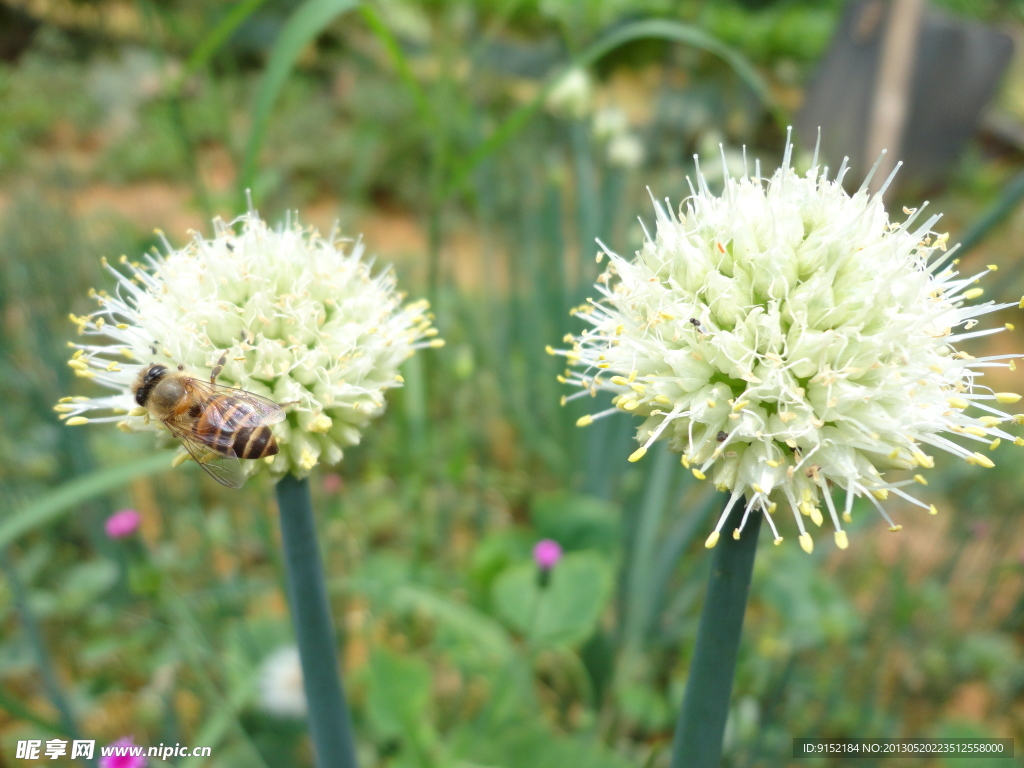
994	444
923	460
982	459
711	403
736	534
66	400
816	516
806	543
78	365
933	510
112	367
63	408
584	421
436	343
895	528
85	374
989	421
772	507
1007	397
1012	365
711	540
1010	326
629	405
1018	441
992	267
121	326
740	405
124	427
321	424
562	401
663	400
698	474
619	380
757	488
685	460
638	454
973	293
549	349
638	388
1020	304
777	541
958	402
921	479
894	453
771	462
76	421
632	376
976	431
842	541
847	517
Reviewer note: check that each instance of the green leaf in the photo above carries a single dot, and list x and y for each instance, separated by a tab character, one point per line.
399	693
564	612
576	521
51	506
301	28
487	636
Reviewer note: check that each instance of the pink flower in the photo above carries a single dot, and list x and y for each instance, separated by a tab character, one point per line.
547	553
332	482
125	760
123	523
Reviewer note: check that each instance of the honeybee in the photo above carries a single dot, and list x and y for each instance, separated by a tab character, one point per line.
218	425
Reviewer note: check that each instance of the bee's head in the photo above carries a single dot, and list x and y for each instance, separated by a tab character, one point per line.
148	378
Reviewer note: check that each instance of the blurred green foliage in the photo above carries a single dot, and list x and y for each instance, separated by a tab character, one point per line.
455	655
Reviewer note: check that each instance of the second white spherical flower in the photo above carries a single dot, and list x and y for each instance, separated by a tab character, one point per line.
789	339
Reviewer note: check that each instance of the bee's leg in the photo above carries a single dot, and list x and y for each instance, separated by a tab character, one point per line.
218	367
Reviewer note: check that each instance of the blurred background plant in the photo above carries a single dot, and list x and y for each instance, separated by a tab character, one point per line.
480	147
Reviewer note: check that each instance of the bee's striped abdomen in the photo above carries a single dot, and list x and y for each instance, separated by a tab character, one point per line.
231	427
254	443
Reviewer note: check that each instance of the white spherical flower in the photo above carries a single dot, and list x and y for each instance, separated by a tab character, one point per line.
280	684
626	151
788	340
573	95
610	122
301	318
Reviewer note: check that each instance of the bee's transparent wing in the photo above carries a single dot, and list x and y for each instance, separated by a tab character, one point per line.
267	411
225	468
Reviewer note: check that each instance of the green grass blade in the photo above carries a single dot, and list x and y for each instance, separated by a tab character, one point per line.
401	62
301	28
213	41
641	560
661	29
51	506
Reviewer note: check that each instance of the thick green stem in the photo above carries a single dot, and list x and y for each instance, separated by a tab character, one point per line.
330	725
698	737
